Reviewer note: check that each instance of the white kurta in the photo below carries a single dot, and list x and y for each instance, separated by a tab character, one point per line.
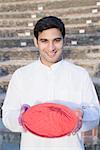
63	83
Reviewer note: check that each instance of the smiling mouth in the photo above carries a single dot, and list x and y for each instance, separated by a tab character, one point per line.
52	54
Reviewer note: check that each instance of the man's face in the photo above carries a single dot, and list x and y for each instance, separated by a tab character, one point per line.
50	45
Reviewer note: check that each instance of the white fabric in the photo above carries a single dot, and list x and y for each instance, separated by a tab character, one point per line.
63	83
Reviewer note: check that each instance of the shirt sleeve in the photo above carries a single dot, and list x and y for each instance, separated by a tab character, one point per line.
11	106
90	105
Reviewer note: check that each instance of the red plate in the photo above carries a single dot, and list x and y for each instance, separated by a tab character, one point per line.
50	120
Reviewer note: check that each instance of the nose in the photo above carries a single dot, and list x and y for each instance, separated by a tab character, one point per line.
51	46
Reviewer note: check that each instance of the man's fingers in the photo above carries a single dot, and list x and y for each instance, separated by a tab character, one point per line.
79	114
23	109
79	125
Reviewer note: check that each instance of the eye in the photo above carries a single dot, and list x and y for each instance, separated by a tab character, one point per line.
44	40
58	39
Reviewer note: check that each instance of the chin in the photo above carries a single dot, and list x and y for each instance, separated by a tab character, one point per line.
54	61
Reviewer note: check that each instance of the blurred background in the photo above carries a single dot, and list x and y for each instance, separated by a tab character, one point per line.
82	47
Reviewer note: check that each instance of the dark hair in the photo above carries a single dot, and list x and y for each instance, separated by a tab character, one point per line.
48	23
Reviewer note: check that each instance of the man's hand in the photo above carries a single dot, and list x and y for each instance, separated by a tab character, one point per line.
23	110
79	113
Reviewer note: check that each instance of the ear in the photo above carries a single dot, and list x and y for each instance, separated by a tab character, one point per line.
35	42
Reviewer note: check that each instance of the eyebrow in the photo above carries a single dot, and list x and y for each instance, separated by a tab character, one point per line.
43	39
59	38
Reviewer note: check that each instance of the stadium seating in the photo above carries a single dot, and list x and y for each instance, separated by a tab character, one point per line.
82	42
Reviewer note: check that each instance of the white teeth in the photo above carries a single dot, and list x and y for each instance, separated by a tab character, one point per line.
52	54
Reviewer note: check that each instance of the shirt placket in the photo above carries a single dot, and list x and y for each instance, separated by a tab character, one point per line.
50	85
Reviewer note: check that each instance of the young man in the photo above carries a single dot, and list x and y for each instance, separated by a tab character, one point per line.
51	79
